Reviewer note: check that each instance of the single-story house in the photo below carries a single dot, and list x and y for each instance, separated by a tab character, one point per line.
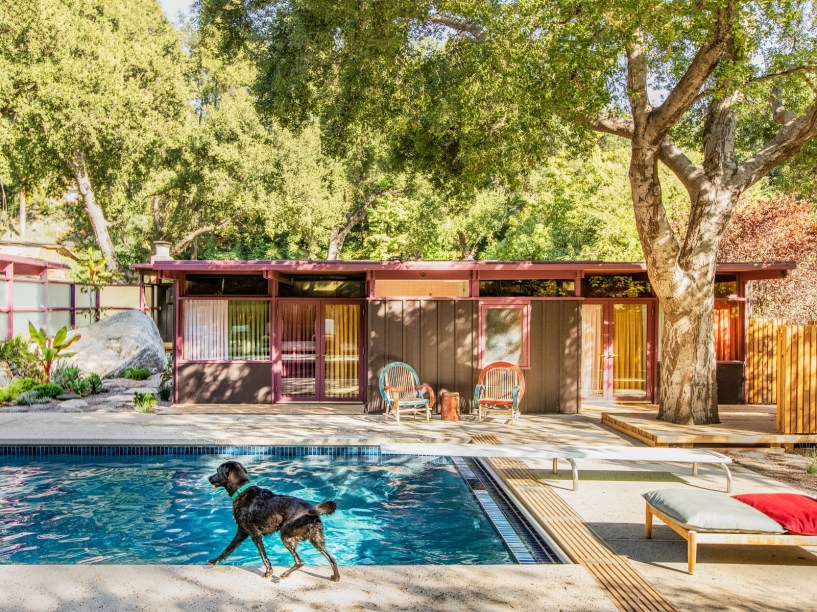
321	331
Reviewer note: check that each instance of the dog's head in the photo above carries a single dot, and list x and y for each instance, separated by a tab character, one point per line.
230	475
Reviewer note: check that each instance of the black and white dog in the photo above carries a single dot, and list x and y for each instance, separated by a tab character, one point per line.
259	512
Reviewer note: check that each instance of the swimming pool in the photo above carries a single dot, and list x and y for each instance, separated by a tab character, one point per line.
73	506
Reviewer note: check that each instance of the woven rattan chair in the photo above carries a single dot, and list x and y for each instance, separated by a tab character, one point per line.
499	389
402	391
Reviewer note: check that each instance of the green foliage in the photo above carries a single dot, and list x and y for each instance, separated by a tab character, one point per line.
144	402
69	378
50	347
165	391
94	382
10	392
31	397
48	390
17	354
136	373
617	286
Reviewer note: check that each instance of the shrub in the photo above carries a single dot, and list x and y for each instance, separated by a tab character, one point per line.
50	347
165	391
30	397
136	373
94	382
17	354
66	376
144	402
19	386
47	390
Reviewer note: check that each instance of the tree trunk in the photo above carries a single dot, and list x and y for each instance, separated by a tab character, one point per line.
95	213
22	212
688	385
336	240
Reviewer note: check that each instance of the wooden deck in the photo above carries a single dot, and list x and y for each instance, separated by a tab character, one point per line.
627	588
292	409
740	426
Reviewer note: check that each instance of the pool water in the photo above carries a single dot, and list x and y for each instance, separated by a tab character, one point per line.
161	509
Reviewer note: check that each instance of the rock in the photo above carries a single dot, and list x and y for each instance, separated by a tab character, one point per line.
74	403
125	340
135	390
119	399
67	396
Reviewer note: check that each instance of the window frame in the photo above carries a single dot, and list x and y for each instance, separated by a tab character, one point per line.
506	304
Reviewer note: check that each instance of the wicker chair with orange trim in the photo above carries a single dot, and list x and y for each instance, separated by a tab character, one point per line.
499	389
402	391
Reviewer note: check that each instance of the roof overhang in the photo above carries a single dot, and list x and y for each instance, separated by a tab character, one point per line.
29	266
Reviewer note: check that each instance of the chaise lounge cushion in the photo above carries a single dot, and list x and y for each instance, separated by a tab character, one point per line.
711	511
797	513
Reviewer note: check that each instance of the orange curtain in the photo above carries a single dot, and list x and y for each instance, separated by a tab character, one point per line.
725	331
629	347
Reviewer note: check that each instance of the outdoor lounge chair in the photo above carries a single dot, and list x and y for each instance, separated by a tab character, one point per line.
708	517
402	391
499	389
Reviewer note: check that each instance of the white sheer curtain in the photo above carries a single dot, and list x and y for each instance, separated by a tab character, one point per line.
205	329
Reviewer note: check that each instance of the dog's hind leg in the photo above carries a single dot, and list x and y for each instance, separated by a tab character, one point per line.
258	540
240	536
316	539
291	543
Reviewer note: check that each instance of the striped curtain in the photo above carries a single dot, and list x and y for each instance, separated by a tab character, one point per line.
205	330
592	372
342	358
298	350
630	348
248	330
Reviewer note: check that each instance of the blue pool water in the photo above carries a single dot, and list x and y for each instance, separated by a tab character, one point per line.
161	509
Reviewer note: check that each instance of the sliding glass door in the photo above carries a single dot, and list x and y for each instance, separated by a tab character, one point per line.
616	361
320	350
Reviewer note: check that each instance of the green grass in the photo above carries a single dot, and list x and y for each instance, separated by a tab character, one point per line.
136	373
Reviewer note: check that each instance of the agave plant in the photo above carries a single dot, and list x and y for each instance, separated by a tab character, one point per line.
50	347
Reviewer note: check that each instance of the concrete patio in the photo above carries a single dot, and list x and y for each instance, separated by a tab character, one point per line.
609	501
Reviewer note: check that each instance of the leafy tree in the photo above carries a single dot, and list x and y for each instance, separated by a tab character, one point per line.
477	89
91	91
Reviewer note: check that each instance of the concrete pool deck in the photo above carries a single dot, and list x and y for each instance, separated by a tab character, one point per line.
609	501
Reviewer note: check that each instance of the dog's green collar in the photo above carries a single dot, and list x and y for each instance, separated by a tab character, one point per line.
240	490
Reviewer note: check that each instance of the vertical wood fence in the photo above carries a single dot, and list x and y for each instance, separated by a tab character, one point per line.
797	379
761	361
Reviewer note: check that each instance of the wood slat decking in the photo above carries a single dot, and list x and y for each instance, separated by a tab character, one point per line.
627	588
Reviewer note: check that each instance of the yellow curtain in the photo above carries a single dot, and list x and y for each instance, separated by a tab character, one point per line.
592	350
341	342
629	347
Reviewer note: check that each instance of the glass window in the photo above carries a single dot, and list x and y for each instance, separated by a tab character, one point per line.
322	285
85	296
119	297
59	295
58	319
620	286
21	319
226	330
4	322
725	289
3	293
421	288
535	287
504	333
28	295
238	284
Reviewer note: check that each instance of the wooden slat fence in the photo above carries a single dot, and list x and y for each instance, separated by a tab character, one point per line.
761	361
797	379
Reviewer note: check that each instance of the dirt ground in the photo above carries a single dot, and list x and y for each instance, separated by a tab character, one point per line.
789	468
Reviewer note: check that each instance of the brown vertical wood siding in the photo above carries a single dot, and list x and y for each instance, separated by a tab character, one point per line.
440	339
225	383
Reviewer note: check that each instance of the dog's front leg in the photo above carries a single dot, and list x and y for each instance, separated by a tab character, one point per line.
240	536
258	540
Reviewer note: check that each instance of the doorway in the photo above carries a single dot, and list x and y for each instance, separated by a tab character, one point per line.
617	350
320	351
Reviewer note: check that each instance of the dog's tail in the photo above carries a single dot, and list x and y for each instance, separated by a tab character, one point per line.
327	507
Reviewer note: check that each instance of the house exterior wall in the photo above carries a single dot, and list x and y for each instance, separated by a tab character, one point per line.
224	383
440	339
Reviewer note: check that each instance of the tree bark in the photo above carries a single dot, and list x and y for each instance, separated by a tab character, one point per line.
95	213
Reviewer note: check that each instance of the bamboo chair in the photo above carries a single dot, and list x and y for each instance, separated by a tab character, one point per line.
402	391
499	389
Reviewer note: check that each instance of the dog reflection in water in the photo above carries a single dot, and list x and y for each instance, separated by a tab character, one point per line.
259	512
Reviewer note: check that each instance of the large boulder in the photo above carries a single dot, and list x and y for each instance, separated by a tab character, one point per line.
125	340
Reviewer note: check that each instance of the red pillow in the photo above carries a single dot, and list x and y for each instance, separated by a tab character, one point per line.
797	513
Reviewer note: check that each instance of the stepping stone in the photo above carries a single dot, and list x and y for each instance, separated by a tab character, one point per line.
74	403
120	399
134	390
67	396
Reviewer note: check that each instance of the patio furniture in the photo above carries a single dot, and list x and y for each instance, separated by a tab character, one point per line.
499	389
708	517
534	454
402	391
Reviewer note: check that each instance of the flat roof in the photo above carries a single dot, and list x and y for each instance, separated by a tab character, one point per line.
495	269
29	265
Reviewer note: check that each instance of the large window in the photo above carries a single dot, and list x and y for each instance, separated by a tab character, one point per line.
237	284
322	286
535	287
504	333
226	330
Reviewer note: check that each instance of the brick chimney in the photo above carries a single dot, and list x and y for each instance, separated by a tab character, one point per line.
161	251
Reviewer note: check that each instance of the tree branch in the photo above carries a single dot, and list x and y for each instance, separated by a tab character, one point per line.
685	92
786	144
690	175
458	23
195	234
637	87
617	126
